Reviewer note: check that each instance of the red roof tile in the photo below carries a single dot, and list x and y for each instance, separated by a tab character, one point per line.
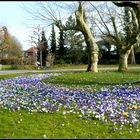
32	49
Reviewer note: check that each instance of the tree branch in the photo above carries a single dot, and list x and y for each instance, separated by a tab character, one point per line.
101	18
124	4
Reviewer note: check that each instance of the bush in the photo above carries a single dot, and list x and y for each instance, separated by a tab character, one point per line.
60	61
28	61
11	61
18	67
24	67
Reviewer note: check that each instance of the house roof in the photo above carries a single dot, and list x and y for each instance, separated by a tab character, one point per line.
32	49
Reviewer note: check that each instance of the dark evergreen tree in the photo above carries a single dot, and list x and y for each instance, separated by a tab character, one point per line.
42	49
53	40
74	40
61	49
44	44
38	55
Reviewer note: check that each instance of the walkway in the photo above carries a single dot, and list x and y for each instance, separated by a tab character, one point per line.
63	70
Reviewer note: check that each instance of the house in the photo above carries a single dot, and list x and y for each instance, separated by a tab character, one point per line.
30	53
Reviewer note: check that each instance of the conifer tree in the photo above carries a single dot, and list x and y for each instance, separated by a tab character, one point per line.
61	50
72	39
44	44
53	40
42	49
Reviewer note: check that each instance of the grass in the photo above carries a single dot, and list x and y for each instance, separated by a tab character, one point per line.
73	66
18	67
4	76
58	66
22	124
95	80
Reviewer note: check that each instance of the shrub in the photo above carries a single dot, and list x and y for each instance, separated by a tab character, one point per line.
11	61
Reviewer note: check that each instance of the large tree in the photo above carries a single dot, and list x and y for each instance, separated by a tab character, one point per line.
4	39
81	25
128	26
121	38
131	31
10	47
15	50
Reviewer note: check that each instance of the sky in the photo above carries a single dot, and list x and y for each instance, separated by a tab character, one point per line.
18	20
15	18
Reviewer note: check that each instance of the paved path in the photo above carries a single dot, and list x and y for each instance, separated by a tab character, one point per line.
63	70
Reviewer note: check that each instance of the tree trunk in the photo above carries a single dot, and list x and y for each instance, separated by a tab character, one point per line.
82	26
132	56
123	60
92	62
90	41
109	52
93	49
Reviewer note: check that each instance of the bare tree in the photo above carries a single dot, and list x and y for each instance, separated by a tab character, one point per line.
81	25
5	43
124	44
135	5
36	41
15	49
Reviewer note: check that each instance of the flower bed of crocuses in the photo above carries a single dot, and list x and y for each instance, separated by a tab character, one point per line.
119	104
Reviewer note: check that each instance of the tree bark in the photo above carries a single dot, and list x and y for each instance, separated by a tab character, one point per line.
90	41
92	47
132	56
82	26
92	63
123	60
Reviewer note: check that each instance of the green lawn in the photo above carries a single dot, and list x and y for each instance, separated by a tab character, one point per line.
72	66
22	124
95	80
58	66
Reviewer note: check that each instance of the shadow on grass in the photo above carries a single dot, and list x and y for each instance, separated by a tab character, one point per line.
96	83
102	78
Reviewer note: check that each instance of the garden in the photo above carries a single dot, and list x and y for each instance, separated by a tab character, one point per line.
70	105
